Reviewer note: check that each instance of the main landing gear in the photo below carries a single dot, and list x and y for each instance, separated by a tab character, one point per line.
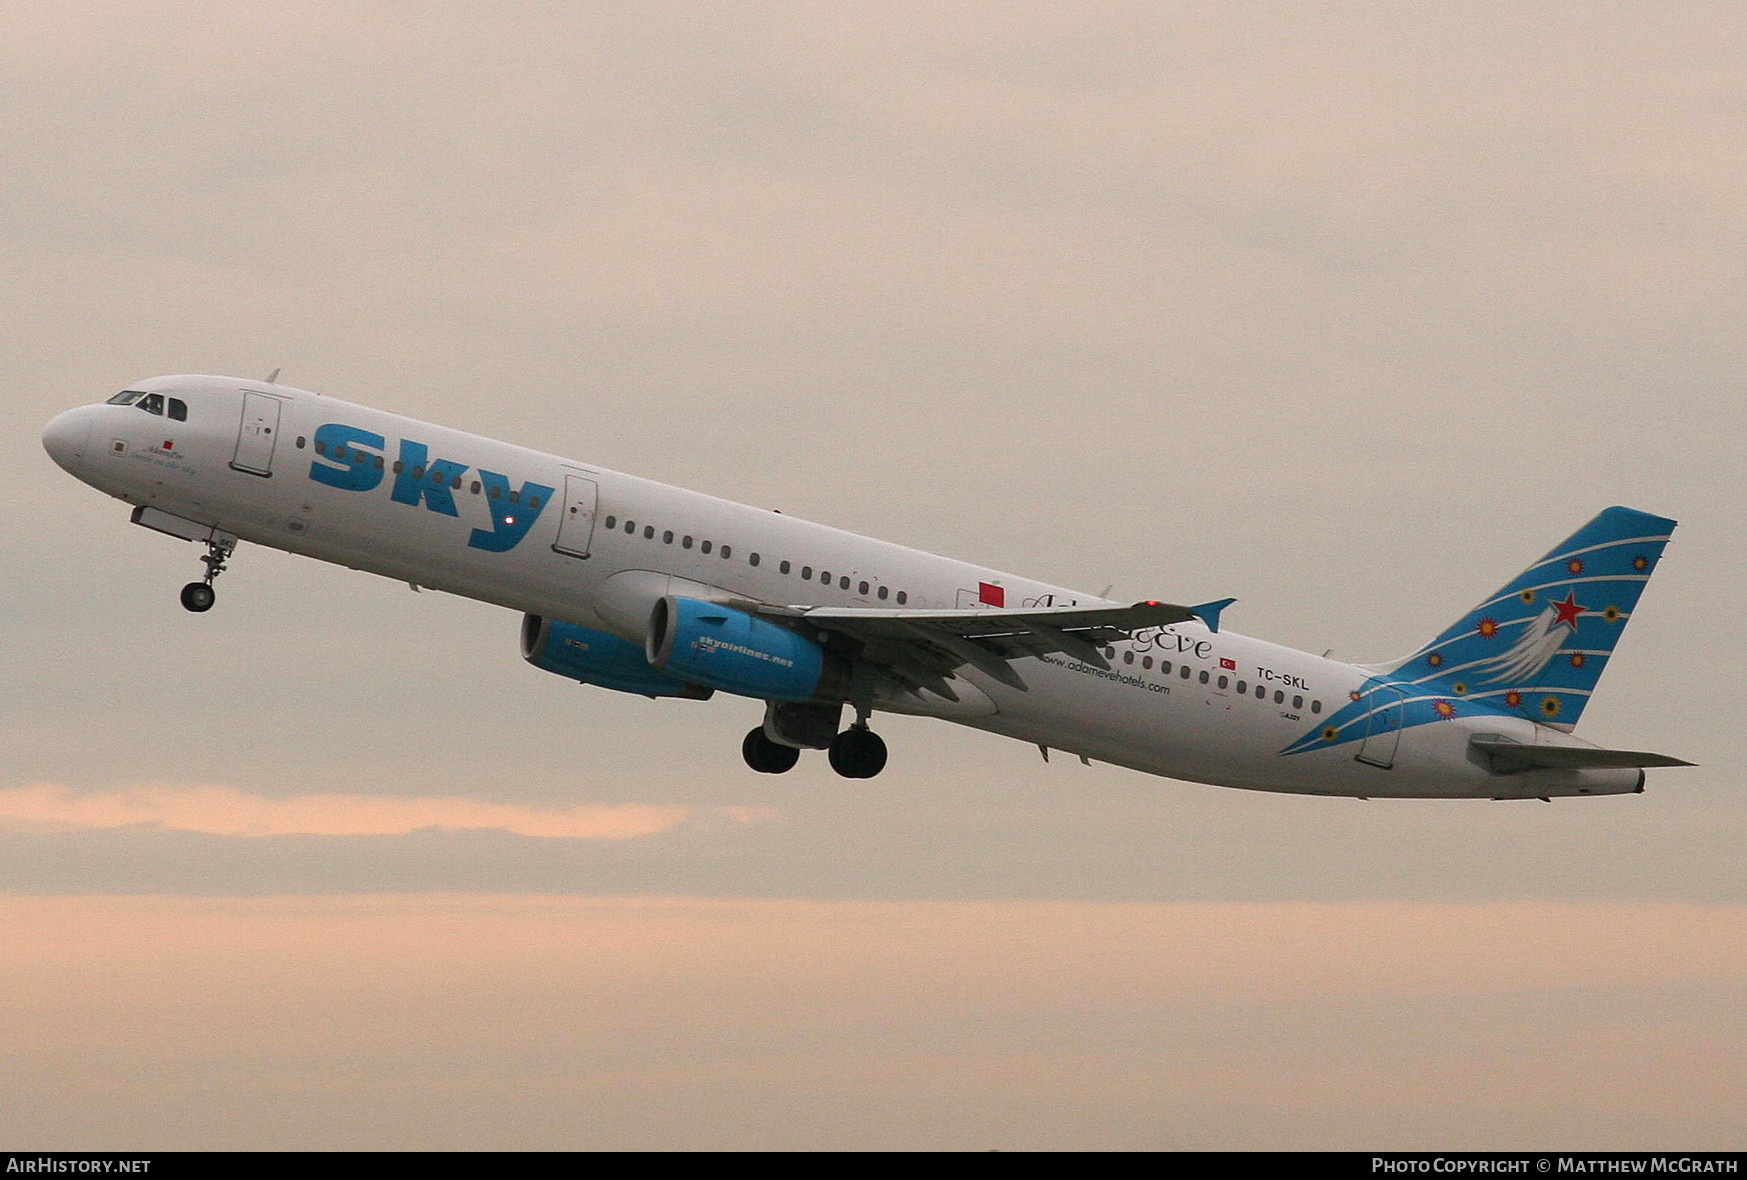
858	752
199	596
775	746
766	756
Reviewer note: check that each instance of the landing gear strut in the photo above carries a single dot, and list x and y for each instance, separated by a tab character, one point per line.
766	756
199	596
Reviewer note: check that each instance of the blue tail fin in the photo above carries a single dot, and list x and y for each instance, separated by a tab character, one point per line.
1539	644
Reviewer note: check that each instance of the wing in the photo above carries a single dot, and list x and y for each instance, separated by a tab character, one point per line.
923	649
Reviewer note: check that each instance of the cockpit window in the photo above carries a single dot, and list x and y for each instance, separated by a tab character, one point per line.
178	409
126	397
152	403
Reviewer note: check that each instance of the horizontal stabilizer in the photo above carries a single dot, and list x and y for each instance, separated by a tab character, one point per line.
1503	757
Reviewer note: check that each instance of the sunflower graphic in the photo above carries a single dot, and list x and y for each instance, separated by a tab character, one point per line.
1487	627
1527	595
1550	707
1611	614
1444	709
1436	660
1575	565
1577	659
1330	733
1514	699
1640	562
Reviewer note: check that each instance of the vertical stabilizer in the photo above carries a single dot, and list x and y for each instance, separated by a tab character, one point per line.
1538	645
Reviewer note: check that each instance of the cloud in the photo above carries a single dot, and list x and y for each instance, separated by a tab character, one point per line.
227	811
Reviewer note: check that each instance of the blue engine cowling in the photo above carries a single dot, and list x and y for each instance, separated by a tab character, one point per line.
707	643
595	657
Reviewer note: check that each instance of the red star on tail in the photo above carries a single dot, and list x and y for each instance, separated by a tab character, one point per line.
1568	610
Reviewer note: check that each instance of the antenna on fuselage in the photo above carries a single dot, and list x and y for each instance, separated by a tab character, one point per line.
273	377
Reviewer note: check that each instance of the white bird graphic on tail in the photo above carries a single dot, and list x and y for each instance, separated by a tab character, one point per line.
1536	646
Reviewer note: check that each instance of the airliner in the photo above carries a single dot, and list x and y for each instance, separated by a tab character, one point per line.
638	587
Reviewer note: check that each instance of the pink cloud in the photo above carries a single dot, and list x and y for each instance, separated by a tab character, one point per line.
227	811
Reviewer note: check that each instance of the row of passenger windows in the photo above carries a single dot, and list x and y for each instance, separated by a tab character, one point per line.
668	537
1222	681
152	403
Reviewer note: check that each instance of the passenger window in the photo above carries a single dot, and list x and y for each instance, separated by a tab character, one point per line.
705	546
686	543
863	590
493	493
1165	667
300	442
825	576
1298	702
1224	681
321	448
1279	696
533	501
902	596
1316	706
178	410
630	527
1184	671
612	521
1147	663
883	591
1261	692
843	582
1243	688
400	466
752	560
785	567
806	573
727	551
378	465
474	488
1204	676
667	537
516	496
648	529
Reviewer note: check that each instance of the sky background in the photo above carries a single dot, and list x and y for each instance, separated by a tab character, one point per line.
1347	310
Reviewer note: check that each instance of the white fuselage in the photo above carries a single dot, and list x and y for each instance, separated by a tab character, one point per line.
1168	704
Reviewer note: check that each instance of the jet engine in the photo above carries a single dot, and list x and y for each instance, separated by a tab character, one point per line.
708	643
595	657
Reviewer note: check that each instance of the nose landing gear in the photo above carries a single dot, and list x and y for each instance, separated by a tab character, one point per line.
199	596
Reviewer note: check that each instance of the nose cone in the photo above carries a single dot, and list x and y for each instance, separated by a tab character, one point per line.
65	438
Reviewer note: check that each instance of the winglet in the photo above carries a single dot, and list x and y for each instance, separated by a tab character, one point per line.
1208	612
